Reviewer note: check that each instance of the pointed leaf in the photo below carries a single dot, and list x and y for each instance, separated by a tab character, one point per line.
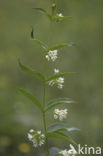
58	101
56	135
31	97
30	71
69	139
60	127
41	44
59	75
61	136
59	46
45	12
53	151
40	9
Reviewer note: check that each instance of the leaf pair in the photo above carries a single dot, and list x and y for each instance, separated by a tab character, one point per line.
46	48
50	105
61	136
53	17
58	101
56	131
56	47
59	46
41	76
60	127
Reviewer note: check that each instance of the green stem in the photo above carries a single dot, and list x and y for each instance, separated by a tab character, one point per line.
44	122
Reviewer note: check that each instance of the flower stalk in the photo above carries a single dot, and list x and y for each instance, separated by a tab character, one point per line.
57	79
44	120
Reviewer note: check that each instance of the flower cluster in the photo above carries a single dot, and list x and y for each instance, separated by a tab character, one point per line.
60	114
36	137
59	81
52	55
71	152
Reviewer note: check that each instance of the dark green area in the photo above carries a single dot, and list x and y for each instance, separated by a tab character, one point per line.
17	113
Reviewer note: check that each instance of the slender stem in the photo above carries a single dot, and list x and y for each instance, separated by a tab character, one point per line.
44	121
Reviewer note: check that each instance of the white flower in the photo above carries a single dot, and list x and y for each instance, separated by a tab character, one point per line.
60	15
31	130
29	136
39	132
52	55
42	135
51	83
58	81
60	114
56	71
36	138
55	116
47	57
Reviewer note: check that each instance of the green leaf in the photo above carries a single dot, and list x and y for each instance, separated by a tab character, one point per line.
40	9
41	44
58	101
54	150
45	12
59	46
61	136
59	75
30	71
56	135
56	18
60	127
31	97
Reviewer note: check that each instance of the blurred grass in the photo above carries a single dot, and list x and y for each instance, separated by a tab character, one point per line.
17	114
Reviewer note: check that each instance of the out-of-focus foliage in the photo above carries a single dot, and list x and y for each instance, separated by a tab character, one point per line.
17	114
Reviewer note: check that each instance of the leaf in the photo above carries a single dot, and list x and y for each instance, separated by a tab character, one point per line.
61	136
31	97
53	151
41	44
58	101
55	18
30	71
59	75
60	127
40	9
59	46
56	135
45	12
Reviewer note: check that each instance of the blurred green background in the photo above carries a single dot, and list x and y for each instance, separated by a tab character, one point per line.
18	114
